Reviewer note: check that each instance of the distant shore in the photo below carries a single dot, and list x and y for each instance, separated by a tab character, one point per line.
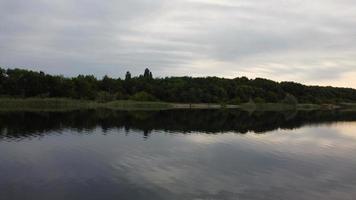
64	104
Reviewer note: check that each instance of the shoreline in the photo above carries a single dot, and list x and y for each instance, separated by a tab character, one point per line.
65	104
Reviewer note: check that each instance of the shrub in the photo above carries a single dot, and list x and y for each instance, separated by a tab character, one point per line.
259	100
143	96
235	101
104	96
290	99
120	96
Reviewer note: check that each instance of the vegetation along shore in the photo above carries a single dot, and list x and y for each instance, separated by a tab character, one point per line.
24	89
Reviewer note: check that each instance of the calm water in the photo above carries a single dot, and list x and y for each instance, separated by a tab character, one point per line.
182	154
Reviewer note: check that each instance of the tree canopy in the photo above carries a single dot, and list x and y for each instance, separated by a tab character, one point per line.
25	83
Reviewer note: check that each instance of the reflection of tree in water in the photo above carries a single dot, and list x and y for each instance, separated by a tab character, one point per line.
21	124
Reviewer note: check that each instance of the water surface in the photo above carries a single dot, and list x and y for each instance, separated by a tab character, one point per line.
178	154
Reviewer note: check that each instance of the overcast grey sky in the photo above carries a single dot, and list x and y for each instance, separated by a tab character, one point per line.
309	41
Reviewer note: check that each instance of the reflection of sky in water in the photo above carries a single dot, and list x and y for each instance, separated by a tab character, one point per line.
315	162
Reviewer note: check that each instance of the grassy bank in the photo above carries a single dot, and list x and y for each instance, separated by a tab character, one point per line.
62	104
45	104
136	105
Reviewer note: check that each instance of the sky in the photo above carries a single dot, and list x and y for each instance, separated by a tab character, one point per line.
312	42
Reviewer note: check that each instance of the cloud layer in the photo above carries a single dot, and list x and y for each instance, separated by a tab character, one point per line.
313	42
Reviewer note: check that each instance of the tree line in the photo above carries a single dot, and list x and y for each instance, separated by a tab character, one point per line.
21	83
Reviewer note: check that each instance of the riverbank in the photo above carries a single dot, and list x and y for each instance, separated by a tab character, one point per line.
63	104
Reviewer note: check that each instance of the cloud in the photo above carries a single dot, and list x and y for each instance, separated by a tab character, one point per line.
312	42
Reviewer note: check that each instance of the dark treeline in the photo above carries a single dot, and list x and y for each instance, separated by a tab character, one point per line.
24	83
28	124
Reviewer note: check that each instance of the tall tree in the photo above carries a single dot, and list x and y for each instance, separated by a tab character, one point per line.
147	74
128	76
25	83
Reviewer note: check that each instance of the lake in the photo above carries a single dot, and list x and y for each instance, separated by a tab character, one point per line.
177	154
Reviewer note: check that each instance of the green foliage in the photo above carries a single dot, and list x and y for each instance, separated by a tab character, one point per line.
143	96
137	105
25	83
235	101
259	100
128	76
147	74
120	96
290	99
104	96
43	104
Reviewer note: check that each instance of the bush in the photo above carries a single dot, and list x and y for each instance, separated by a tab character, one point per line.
120	96
290	99
235	101
259	100
143	96
104	96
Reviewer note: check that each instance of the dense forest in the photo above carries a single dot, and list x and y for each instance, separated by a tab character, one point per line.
22	83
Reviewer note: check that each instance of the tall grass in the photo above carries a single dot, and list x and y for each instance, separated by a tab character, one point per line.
44	104
57	104
137	105
63	104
